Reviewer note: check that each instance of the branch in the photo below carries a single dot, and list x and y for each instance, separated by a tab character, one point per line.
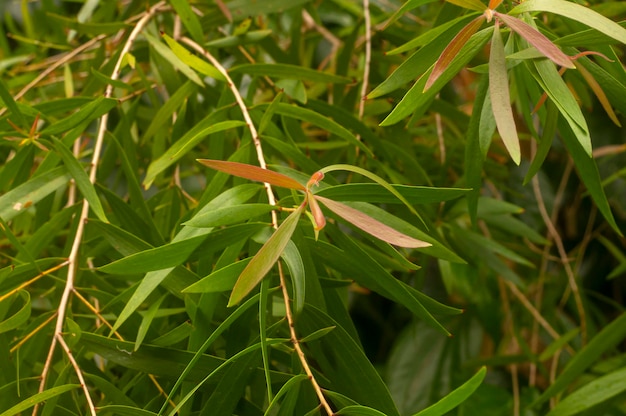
272	201
73	257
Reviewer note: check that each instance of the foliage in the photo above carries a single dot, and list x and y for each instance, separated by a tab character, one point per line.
202	215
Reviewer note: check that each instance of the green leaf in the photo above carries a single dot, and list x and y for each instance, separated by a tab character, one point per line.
341	360
500	98
221	280
576	12
20	316
192	60
121	410
456	397
9	102
469	4
359	411
194	136
293	259
453	49
406	7
189	19
286	71
34	190
605	340
416	98
229	215
169	55
372	226
588	171
81	179
166	111
86	114
552	83
324	122
558	344
90	28
600	390
288	386
38	398
265	258
375	193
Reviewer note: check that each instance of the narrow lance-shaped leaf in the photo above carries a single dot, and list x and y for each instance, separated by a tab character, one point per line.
537	39
575	12
192	60
254	173
371	225
599	92
266	257
469	4
500	99
456	397
453	49
493	4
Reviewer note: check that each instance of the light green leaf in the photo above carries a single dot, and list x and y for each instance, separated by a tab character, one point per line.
456	397
294	262
265	258
375	193
189	19
253	36
558	344
552	83
81	179
38	398
600	390
121	410
290	384
221	280
575	12
229	215
19	317
9	102
285	71
169	55
416	98
32	191
194	136
469	4
192	60
500	98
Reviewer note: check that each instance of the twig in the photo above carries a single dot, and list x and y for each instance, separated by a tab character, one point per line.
62	60
272	200
73	257
564	260
368	56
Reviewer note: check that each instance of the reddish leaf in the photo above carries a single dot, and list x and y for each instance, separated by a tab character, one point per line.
316	211
493	4
254	173
371	225
599	92
538	40
451	51
500	98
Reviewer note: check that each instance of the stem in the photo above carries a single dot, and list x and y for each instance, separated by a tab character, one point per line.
73	257
272	200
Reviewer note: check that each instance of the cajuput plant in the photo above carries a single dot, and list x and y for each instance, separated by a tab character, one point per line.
267	256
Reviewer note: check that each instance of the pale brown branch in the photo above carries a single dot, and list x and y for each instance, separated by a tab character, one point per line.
73	257
79	373
270	195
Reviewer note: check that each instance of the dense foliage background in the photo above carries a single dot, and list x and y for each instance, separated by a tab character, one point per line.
489	152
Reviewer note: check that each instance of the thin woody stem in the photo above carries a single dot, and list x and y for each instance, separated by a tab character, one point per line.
272	200
73	257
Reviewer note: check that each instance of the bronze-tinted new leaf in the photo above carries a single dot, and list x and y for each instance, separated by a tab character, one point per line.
254	173
453	49
372	226
537	39
500	98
